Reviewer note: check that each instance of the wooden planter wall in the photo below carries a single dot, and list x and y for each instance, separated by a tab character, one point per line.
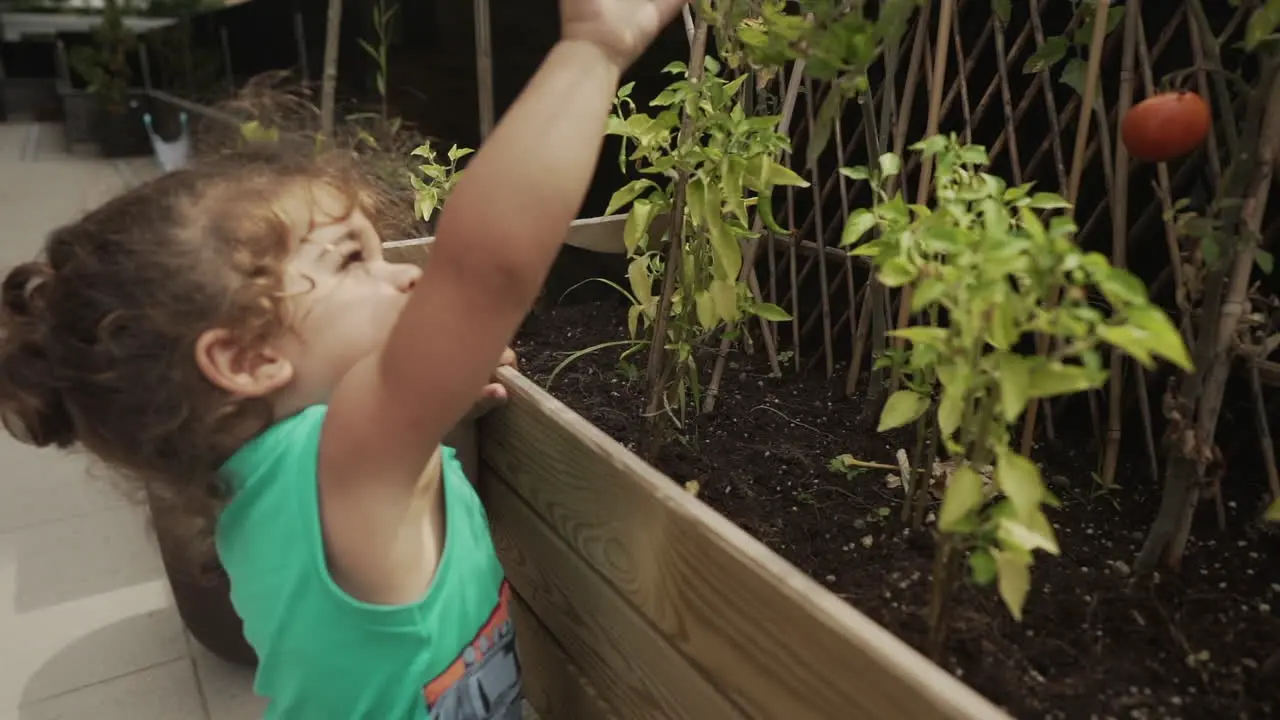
635	600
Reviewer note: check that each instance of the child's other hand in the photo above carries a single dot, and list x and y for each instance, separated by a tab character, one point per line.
493	394
621	28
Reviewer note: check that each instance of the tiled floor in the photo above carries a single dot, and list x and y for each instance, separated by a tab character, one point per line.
87	624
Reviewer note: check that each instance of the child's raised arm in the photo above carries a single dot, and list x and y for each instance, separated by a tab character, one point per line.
504	223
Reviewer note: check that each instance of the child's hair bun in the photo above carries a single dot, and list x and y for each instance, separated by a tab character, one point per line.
31	400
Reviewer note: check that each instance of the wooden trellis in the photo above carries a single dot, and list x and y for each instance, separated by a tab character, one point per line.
969	79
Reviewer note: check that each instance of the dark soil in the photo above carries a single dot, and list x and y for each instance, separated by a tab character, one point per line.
1090	645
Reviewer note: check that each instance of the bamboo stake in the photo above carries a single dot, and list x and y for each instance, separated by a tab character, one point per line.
1166	201
963	83
749	259
1073	182
851	313
954	92
795	281
877	295
1264	429
1119	225
821	239
484	67
939	77
329	74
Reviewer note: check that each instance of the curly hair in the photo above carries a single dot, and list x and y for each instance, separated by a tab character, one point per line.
97	339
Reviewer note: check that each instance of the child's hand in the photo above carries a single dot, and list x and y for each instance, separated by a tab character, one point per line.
621	28
493	394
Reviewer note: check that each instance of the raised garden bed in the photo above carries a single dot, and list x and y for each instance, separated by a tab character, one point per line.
635	595
1089	646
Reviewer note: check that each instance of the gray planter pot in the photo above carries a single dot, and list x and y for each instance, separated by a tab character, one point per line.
80	112
29	98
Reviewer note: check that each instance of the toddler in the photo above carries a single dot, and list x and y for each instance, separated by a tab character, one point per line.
231	336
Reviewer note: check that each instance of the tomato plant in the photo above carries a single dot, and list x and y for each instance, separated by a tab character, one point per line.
983	267
1073	46
835	38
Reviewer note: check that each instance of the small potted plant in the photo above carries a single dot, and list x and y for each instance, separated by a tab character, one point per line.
104	65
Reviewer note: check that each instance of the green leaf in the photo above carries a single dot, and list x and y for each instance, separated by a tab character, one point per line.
641	281
1049	379
1273	512
1015	385
896	273
860	221
1073	75
770	312
1003	9
725	248
725	295
1266	261
629	192
1047	55
955	390
731	172
780	174
1013	534
695	197
1164	339
1048	201
922	335
1019	479
963	496
1129	339
982	567
902	407
1262	24
704	307
890	164
1013	571
858	172
637	225
1004	331
931	146
820	130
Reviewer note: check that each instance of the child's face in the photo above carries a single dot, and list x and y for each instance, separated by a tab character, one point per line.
344	297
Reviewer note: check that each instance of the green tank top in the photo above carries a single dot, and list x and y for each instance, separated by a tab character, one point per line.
324	654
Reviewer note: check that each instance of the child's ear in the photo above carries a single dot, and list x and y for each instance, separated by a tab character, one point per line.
243	372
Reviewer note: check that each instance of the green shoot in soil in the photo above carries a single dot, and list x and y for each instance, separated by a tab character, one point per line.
432	182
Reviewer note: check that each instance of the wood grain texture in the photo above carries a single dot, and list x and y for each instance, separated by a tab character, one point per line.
774	642
553	685
633	667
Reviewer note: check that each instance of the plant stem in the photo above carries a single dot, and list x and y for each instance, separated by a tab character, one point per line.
926	472
671	268
944	565
920	478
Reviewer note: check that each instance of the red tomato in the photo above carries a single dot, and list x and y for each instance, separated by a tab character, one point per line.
1167	125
